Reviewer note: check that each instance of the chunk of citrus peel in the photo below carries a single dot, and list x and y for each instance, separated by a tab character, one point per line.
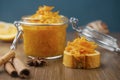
7	31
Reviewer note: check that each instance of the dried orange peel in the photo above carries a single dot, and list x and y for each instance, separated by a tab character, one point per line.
7	31
81	53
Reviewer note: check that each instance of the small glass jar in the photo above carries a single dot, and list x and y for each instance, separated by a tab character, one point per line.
43	40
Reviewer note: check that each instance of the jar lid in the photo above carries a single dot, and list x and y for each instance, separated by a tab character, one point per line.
103	40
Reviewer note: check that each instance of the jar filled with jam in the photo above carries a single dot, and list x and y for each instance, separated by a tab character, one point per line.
44	33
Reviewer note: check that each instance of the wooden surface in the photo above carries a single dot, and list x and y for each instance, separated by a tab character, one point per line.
55	70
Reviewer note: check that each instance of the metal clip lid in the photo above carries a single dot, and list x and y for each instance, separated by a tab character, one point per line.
103	40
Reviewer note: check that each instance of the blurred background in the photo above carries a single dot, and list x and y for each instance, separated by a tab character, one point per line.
85	10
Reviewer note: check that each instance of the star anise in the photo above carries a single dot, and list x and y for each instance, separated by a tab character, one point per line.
37	62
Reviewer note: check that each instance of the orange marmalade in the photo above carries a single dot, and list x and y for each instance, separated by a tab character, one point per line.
81	46
44	33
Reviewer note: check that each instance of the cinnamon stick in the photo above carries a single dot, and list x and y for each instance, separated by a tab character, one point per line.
10	69
21	69
7	57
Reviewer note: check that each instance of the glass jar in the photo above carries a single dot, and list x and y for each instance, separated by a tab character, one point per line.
43	40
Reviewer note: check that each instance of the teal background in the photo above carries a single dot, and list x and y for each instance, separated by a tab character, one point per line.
85	10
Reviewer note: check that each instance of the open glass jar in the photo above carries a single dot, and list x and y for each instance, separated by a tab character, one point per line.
43	40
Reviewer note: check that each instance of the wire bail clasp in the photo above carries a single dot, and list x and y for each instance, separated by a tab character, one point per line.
74	22
18	26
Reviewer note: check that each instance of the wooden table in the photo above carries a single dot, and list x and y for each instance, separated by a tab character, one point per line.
55	70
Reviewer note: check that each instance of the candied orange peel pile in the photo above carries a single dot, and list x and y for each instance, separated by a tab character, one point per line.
81	46
44	14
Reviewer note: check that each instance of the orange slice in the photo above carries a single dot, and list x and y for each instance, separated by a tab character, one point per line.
7	31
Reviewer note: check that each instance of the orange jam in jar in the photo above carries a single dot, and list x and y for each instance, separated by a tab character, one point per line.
44	33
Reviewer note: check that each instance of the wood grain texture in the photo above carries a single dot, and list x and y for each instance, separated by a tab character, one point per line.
55	70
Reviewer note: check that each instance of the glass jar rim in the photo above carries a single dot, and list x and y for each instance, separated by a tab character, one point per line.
25	22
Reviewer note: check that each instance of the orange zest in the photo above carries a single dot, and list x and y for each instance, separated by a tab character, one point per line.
44	14
81	46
